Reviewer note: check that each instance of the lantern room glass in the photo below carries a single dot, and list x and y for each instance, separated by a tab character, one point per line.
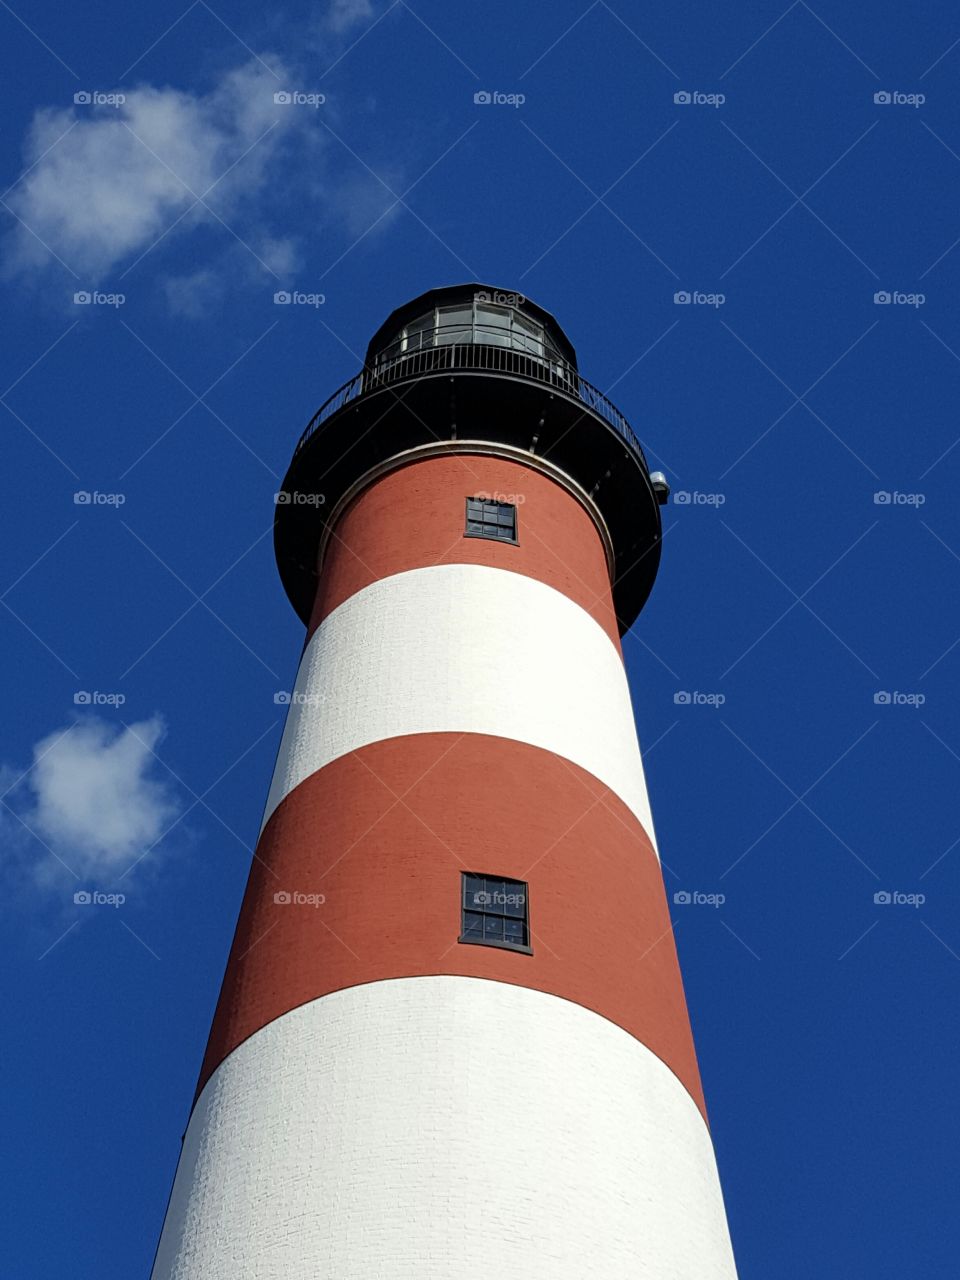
473	322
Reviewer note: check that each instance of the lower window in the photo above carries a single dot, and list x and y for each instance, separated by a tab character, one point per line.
495	912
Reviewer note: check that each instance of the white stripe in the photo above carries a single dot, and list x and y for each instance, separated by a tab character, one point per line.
460	648
439	1127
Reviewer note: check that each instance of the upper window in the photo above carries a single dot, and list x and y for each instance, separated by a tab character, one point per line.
497	520
495	912
474	321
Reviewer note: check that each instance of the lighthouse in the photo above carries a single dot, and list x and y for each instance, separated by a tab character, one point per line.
452	1039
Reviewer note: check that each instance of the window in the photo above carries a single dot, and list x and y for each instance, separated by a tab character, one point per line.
497	520
495	912
527	336
454	324
419	333
471	321
493	326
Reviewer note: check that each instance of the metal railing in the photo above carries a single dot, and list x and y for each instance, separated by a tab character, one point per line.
474	357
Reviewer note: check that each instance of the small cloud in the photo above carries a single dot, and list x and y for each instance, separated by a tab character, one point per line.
193	296
280	256
105	182
344	14
98	797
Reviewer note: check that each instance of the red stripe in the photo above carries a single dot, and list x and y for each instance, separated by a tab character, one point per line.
384	833
415	516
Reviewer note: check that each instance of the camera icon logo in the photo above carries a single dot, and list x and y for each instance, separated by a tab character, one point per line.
281	499
482	296
283	99
282	698
82	898
882	898
682	98
82	298
882	98
282	898
81	498
882	698
82	98
682	498
681	698
483	98
882	498
682	298
282	298
482	899
682	898
882	298
81	698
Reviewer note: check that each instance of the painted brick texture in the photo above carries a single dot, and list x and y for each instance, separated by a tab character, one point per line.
464	649
383	835
414	517
436	1127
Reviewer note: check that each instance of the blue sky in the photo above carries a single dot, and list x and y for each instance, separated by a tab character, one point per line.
826	1022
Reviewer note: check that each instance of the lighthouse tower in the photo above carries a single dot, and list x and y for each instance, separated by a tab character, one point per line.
452	1038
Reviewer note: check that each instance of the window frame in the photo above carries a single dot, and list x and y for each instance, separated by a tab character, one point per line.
524	948
486	537
522	332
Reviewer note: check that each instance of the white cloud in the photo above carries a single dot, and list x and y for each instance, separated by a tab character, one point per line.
106	182
98	796
195	294
344	14
281	256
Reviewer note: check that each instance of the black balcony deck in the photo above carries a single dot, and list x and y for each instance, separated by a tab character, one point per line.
472	392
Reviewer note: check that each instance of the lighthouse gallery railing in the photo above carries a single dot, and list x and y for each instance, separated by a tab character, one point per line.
474	357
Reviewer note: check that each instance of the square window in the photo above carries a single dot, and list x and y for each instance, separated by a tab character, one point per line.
496	520
494	912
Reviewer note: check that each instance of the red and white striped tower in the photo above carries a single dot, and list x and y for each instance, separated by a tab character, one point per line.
452	1037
